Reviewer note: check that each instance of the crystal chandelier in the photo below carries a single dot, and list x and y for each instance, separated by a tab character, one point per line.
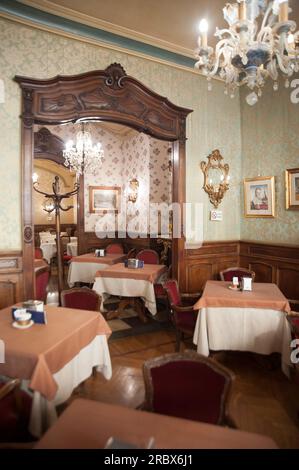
260	42
84	156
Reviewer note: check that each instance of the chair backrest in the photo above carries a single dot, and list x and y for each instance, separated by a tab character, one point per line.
294	324
173	293
188	386
15	410
81	298
148	256
131	253
228	274
41	281
38	253
115	249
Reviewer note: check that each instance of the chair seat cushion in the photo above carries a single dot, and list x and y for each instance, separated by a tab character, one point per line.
67	257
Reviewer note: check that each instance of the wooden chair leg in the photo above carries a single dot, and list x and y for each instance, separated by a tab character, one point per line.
179	337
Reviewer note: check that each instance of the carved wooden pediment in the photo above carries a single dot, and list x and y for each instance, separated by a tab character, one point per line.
48	146
109	95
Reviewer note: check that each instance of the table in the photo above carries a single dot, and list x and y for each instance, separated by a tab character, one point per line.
84	267
52	359
243	321
49	249
72	248
88	424
124	282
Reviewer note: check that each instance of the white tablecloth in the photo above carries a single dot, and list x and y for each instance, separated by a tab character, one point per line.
49	250
72	249
243	329
123	287
83	272
96	354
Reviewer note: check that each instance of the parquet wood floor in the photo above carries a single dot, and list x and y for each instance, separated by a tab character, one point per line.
263	400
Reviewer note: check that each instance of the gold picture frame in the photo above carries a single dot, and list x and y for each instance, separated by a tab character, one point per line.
259	196
104	199
292	189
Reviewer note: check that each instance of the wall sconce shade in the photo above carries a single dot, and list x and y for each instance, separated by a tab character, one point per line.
133	190
216	177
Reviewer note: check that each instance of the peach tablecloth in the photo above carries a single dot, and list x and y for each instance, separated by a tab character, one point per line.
263	295
88	425
40	351
243	321
53	359
84	267
120	281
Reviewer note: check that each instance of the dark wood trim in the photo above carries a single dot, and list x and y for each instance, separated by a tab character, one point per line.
48	146
11	278
106	95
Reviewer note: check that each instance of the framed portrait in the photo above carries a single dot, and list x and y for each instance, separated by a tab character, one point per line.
104	199
259	196
292	189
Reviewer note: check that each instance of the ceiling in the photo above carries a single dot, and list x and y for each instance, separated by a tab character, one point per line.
169	24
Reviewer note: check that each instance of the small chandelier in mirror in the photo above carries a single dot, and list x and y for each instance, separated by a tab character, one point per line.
83	156
216	177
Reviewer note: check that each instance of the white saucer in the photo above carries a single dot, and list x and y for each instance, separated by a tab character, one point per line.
233	288
22	327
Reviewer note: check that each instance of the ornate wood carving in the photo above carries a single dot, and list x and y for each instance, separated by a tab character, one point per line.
28	234
48	146
106	95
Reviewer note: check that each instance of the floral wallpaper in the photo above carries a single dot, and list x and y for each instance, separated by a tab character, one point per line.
270	146
215	122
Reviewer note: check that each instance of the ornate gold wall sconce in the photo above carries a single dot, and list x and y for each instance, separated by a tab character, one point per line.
216	177
133	190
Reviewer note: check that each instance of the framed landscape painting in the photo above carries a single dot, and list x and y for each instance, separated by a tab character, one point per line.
104	199
292	189
259	196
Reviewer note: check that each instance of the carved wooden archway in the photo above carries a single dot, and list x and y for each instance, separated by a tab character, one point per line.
106	95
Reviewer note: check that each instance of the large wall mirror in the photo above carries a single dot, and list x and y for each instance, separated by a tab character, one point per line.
143	139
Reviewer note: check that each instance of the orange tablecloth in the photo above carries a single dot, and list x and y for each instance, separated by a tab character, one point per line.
91	258
263	296
149	272
88	425
37	353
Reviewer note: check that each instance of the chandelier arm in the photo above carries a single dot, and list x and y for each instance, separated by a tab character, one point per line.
280	64
216	66
267	14
264	34
220	32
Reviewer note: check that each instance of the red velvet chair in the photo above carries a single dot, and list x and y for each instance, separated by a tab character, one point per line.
115	249
188	386
15	409
148	256
228	274
38	253
183	315
82	298
131	253
41	282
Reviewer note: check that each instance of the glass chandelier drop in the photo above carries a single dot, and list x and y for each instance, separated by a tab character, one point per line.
260	42
84	156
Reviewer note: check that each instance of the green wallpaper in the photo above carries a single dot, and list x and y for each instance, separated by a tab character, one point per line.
270	145
215	122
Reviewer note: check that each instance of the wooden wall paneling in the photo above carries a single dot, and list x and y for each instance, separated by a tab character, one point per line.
204	263
273	263
11	279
